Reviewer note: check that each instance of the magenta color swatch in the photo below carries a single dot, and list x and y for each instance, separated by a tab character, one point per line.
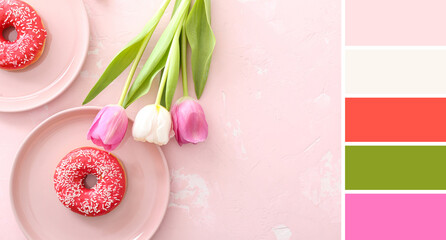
395	22
395	216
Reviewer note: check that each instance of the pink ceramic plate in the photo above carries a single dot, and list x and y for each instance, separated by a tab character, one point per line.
61	61
42	216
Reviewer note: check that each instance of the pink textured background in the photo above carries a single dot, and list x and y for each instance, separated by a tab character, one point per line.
271	166
396	22
395	216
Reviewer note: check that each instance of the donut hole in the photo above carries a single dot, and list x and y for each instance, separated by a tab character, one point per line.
10	34
90	181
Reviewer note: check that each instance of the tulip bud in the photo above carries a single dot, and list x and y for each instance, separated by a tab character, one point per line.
189	122
152	124
109	127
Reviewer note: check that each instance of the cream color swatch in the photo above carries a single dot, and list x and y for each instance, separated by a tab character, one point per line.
400	71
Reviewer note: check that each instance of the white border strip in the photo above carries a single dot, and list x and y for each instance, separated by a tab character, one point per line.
395	191
377	95
374	48
343	119
395	144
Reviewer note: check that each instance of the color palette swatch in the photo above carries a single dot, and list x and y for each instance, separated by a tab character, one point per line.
395	168
395	22
394	123
389	71
395	216
395	119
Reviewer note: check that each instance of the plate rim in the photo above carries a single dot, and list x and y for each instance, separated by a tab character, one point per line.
68	84
51	118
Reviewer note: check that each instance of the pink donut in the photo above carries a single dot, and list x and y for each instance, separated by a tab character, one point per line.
31	35
101	198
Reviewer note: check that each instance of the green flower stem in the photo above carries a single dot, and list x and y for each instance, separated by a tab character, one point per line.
184	59
166	68
134	66
162	83
137	59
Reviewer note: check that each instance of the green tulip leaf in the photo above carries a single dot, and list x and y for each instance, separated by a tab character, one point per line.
142	83
163	102
174	70
147	84
126	56
202	42
175	7
168	84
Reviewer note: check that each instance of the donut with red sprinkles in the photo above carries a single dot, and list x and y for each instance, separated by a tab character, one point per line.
101	198
31	35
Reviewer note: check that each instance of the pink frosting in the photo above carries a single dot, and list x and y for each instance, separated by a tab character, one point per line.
31	35
100	199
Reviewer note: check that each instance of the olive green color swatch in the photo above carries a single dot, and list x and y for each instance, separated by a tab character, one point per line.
395	167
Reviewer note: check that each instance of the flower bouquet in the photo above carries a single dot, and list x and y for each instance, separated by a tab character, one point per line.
157	122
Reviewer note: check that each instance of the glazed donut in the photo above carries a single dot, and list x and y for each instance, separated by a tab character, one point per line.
31	35
101	198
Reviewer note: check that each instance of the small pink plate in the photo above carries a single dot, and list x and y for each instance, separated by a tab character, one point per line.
65	51
37	208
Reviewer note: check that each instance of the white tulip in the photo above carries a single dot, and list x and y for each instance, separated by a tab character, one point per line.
152	124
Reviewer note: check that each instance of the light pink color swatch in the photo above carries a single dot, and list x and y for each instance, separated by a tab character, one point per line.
395	216
396	22
270	168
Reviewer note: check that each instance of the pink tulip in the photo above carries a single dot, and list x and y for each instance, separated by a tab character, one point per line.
109	127
189	122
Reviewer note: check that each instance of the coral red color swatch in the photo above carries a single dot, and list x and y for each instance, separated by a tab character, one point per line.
395	119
